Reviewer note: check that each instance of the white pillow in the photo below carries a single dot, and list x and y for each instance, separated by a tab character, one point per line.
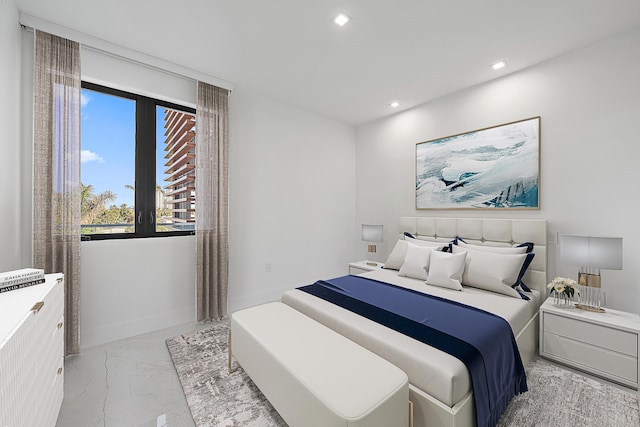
495	249
422	241
445	270
491	271
396	257
416	262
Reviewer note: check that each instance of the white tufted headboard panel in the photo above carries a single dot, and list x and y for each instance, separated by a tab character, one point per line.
491	232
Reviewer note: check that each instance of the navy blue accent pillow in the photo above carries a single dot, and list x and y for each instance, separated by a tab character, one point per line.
447	248
528	245
523	270
524	287
453	242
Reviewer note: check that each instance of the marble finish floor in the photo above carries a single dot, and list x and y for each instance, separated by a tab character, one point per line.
126	383
132	383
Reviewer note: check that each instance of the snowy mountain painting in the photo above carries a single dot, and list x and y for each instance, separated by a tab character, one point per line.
496	167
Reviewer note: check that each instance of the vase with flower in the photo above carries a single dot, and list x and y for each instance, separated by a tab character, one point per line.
564	290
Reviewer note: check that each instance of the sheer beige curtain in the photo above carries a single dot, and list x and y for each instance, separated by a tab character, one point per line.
212	207
56	169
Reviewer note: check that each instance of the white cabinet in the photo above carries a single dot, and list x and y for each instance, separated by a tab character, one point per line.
32	354
603	344
360	267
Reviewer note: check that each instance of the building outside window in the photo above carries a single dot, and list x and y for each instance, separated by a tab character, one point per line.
177	200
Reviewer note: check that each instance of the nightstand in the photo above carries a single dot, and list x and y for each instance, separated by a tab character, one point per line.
360	267
603	344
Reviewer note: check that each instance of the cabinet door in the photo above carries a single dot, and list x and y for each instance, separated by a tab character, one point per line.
18	381
50	356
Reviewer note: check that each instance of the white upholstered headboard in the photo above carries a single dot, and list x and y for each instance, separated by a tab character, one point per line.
493	232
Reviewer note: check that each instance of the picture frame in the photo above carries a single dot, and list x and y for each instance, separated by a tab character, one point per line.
492	168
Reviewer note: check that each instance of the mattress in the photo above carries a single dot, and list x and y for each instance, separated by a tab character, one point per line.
440	375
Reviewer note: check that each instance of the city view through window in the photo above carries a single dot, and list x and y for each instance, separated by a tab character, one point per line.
124	188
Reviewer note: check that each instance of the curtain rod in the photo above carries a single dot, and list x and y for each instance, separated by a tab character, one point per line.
105	47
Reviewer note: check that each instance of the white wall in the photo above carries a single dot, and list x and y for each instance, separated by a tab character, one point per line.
292	198
129	287
13	253
588	102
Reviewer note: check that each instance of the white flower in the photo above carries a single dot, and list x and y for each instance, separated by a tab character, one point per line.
562	281
563	285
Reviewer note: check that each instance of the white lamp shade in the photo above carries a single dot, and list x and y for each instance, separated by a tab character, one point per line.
596	252
372	233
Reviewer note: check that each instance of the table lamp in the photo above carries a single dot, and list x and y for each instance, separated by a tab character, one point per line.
372	234
591	254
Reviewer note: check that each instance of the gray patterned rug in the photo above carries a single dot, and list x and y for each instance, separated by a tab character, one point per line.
216	397
556	397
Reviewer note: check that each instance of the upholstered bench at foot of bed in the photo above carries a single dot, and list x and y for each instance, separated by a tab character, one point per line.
312	375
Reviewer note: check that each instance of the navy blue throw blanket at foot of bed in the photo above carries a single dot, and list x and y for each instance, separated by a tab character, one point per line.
483	341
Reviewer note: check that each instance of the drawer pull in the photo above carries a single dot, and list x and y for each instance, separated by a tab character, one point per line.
59	371
59	325
37	306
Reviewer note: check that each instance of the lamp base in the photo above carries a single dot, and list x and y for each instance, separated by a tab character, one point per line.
589	280
589	288
589	308
372	255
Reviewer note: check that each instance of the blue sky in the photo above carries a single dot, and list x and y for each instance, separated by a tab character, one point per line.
108	144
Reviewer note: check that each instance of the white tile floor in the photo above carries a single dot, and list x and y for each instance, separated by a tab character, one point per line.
126	383
132	383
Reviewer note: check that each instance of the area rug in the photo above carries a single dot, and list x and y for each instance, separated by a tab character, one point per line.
556	397
216	397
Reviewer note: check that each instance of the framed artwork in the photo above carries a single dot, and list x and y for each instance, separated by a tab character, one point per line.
492	168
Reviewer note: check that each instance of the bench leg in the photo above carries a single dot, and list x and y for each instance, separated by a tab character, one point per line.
410	414
229	351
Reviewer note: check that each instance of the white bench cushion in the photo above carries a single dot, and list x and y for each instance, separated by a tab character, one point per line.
312	375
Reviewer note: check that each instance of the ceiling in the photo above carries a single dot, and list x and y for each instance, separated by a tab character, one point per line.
411	51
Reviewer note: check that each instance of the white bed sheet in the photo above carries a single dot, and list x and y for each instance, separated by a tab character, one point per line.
437	373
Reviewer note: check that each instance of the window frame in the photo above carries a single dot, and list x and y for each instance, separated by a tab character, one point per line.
145	170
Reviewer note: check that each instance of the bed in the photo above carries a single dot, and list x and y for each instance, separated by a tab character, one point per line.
440	386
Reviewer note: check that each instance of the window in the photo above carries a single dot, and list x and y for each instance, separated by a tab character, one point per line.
138	165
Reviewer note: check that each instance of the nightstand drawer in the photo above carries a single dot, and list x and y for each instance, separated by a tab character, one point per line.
593	359
615	340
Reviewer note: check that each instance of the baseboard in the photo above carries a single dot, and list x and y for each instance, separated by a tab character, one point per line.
118	331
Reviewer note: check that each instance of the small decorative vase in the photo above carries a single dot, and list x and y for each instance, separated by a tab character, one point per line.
562	300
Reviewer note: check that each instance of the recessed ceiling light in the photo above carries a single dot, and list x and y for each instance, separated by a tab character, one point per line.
341	19
499	65
394	104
